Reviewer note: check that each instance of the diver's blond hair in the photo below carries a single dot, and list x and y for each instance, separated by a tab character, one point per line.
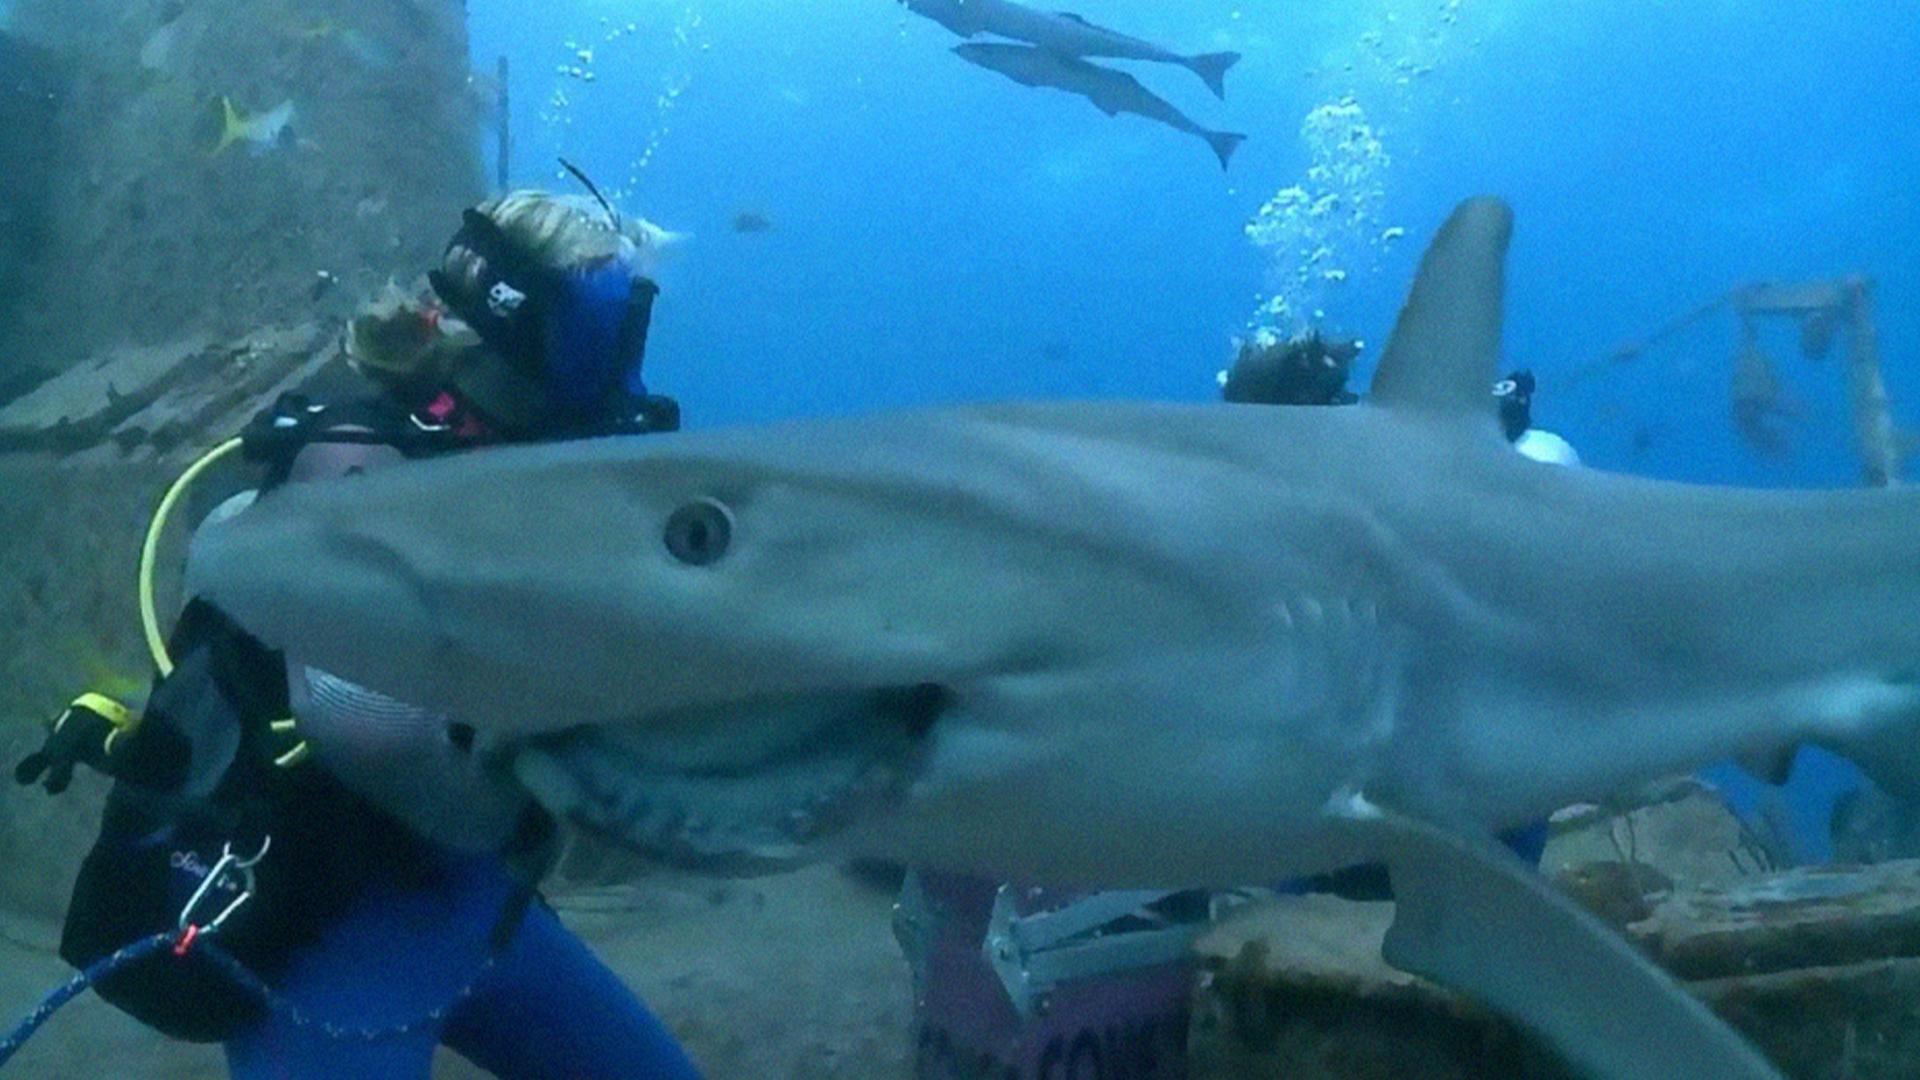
556	232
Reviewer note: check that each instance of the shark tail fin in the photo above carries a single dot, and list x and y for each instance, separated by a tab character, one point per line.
1213	67
233	127
1224	144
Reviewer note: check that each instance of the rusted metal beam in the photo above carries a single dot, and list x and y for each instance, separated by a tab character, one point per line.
1872	412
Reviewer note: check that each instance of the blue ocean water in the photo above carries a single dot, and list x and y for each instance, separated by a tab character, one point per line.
941	234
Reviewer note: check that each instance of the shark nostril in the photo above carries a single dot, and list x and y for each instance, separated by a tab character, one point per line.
461	736
917	708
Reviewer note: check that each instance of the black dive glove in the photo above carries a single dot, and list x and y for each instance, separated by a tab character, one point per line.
83	735
107	737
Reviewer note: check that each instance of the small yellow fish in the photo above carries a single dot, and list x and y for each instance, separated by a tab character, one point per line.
263	132
103	675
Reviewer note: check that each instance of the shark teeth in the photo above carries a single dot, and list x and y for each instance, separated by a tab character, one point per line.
757	812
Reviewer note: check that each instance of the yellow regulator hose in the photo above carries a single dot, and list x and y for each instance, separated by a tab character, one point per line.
149	551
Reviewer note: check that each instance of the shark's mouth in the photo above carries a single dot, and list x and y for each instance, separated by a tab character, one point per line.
737	789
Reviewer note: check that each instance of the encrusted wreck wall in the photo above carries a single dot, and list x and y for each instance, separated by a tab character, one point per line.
31	89
68	552
139	260
153	235
83	461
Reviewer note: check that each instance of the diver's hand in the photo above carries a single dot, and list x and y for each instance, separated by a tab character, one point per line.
83	735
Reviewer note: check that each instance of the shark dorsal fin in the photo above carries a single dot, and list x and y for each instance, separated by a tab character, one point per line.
1445	351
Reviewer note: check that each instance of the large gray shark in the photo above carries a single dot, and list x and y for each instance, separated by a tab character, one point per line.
1066	35
1112	92
1128	644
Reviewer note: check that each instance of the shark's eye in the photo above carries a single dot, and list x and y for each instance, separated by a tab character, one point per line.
700	532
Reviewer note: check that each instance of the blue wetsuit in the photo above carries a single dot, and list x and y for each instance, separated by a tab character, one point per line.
542	1007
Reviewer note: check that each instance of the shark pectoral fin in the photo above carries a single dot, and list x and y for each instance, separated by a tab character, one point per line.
1471	916
1445	349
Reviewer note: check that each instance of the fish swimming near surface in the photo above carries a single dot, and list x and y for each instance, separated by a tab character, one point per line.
1127	645
1112	92
1066	35
267	131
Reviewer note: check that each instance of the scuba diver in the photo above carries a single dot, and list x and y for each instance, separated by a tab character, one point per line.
1515	393
339	939
1313	370
1307	370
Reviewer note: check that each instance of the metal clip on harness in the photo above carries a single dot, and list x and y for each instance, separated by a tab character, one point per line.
222	875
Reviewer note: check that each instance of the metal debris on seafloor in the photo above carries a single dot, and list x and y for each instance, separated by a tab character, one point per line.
1618	893
1805	917
1819	966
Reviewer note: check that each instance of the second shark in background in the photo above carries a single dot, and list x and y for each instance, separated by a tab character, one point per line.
1053	53
1112	92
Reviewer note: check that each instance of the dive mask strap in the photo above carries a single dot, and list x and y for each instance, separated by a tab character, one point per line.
509	306
633	334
